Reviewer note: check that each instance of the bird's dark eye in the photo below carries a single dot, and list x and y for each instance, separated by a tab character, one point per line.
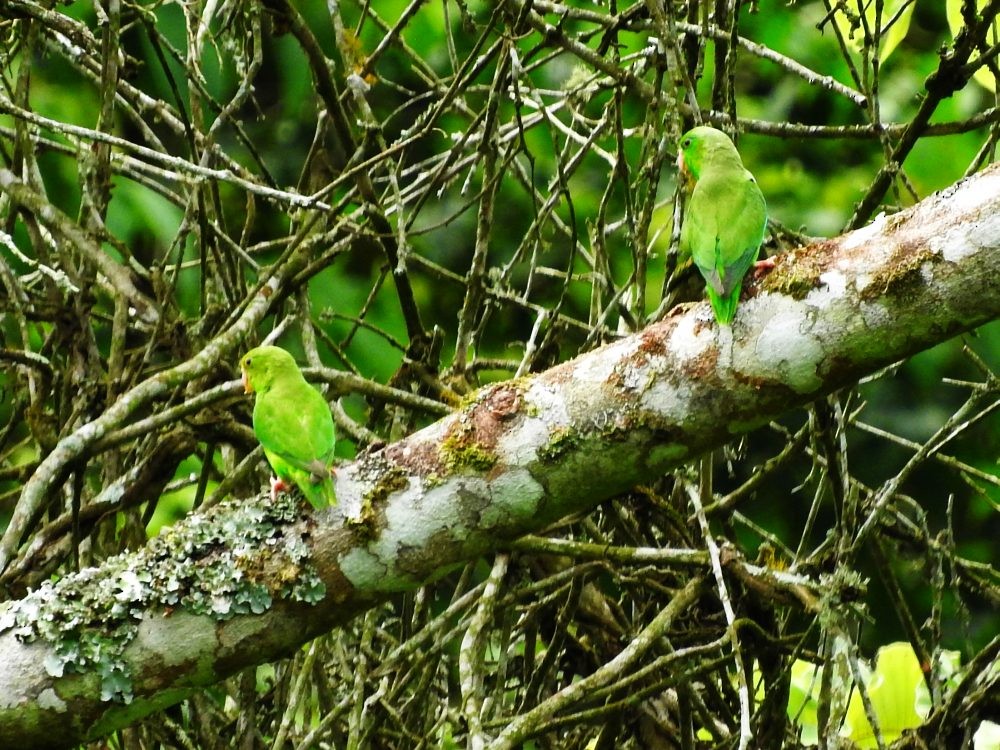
247	360
686	143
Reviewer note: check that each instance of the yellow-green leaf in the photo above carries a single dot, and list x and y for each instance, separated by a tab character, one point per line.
895	689
893	26
803	697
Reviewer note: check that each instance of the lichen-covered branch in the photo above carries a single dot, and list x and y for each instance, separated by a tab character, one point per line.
246	583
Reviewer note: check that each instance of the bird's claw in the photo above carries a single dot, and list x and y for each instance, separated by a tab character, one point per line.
762	268
277	486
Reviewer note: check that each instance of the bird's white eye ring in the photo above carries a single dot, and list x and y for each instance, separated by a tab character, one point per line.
686	142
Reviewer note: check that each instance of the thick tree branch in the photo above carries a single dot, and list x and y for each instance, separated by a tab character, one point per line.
509	462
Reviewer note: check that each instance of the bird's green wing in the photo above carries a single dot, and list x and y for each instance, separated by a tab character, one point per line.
293	423
723	230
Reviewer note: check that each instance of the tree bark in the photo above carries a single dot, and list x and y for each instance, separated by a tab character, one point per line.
519	455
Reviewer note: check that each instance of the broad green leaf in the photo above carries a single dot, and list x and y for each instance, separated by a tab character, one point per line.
987	737
802	700
983	76
895	22
895	688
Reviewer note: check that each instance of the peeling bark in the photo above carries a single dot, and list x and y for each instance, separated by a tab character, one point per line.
523	453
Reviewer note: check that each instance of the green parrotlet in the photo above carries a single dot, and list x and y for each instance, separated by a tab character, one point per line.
725	218
293	423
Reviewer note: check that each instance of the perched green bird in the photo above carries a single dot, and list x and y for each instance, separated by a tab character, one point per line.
725	217
292	422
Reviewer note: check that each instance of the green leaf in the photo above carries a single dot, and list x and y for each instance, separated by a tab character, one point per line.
893	27
802	700
987	737
895	688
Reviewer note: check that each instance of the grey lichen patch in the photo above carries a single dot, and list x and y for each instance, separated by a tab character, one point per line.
426	528
49	699
785	351
514	497
413	519
368	571
234	559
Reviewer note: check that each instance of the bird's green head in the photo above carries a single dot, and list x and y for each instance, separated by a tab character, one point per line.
701	146
263	365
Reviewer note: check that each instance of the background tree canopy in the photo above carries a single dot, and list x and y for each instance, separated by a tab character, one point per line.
448	194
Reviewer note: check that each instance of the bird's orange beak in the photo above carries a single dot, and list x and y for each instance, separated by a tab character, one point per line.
686	178
247	388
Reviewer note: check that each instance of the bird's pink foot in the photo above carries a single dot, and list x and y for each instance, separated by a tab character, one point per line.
762	268
277	486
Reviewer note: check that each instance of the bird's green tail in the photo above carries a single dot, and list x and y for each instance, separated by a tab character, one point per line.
319	494
724	307
322	495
